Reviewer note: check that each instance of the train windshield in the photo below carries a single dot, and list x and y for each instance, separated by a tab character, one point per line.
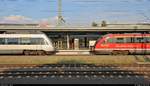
102	36
98	40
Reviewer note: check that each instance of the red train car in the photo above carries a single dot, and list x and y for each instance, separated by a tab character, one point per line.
133	43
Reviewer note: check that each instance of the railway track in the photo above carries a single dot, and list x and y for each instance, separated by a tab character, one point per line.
147	58
73	65
75	73
73	70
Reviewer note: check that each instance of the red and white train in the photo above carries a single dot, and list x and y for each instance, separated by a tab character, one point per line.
131	43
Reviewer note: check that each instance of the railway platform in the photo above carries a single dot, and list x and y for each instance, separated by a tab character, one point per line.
73	52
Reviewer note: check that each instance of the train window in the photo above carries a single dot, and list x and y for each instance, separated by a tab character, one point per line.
128	40
147	39
25	41
119	40
111	40
12	41
38	41
139	40
32	41
2	40
41	41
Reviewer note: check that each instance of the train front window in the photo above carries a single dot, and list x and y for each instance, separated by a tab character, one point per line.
104	42
98	40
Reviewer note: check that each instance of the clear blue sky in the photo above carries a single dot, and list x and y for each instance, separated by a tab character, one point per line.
77	12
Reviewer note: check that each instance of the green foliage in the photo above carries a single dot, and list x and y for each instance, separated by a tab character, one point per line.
104	24
94	24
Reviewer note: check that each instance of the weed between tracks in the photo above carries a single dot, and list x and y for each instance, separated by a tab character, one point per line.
142	58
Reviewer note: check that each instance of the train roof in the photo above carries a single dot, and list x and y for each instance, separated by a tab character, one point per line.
128	34
108	28
23	32
22	35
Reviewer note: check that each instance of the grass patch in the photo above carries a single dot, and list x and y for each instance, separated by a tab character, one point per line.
143	58
102	59
140	58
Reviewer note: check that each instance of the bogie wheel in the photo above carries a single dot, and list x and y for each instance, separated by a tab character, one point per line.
41	52
125	52
26	52
119	52
34	52
114	52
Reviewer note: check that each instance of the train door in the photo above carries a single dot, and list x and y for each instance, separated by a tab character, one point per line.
139	45
12	46
43	44
147	45
4	48
35	44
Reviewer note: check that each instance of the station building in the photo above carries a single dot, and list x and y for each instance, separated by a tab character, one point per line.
76	38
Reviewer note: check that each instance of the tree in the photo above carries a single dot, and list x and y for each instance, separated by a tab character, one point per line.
104	24
94	24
